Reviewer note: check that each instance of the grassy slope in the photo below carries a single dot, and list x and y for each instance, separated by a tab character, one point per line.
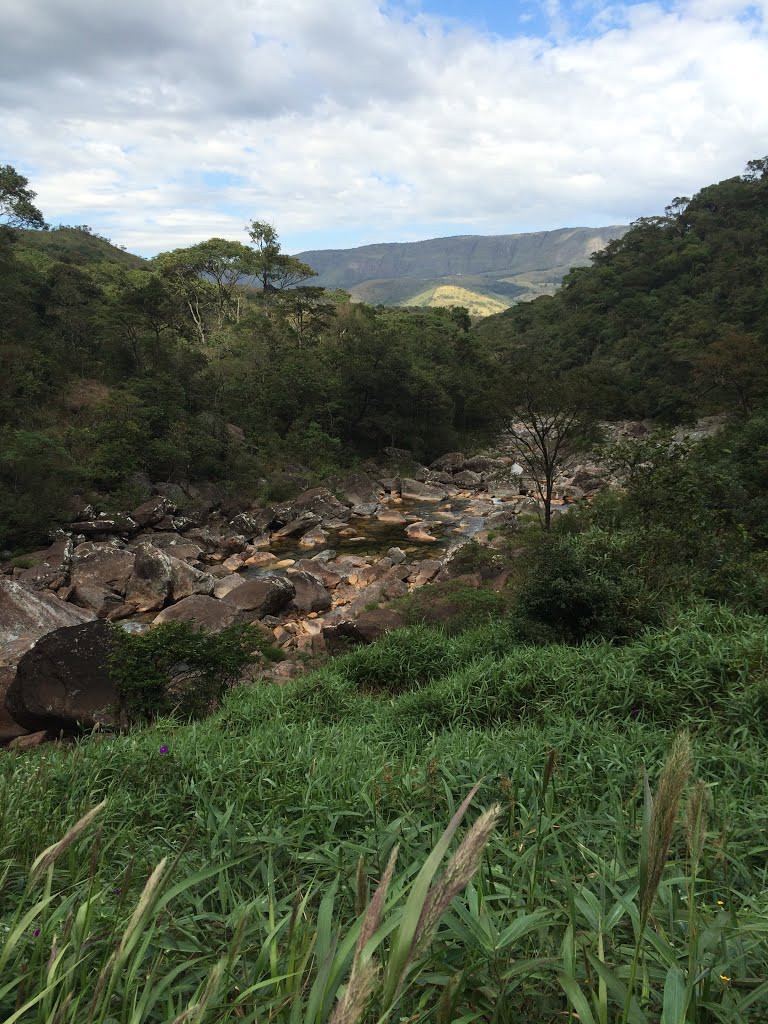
299	788
76	246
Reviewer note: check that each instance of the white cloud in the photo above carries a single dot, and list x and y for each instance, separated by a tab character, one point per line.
161	124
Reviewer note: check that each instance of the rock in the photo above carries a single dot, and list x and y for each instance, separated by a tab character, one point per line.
425	571
420	532
52	571
255	522
28	614
203	612
314	538
396	555
223	586
311	595
62	682
153	511
99	575
417	491
259	559
330	580
10	655
323	503
466	478
305	522
389	516
359	488
106	524
233	545
484	464
265	595
366	628
158	578
28	742
502	520
365	510
234	562
451	462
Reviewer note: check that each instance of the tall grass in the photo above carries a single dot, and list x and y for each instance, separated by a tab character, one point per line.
248	872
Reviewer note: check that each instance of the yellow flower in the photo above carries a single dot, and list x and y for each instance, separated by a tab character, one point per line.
725	978
721	903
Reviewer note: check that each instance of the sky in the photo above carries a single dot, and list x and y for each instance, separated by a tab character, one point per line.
161	123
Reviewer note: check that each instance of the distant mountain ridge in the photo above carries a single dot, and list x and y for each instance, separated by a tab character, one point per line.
490	272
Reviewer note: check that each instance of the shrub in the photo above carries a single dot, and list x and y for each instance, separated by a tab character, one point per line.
178	670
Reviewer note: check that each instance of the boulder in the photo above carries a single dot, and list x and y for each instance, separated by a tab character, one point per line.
323	503
359	488
310	594
424	572
502	520
255	522
484	464
99	575
149	587
203	612
466	478
366	509
389	516
366	628
62	682
223	586
451	462
29	614
417	491
296	527
153	511
330	580
52	571
396	556
10	655
173	492
420	532
314	538
105	524
187	581
265	595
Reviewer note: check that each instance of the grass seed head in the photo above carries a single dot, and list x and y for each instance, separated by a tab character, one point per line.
672	782
50	855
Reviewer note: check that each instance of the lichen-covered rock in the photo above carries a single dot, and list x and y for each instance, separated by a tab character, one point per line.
203	612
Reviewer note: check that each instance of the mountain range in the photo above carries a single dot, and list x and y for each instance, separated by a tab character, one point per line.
486	273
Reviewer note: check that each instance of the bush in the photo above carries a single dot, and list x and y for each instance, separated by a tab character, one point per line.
587	586
178	670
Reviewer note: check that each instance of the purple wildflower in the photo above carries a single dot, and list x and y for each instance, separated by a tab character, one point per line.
635	712
36	932
163	749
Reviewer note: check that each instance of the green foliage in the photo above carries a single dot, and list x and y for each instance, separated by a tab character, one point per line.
175	669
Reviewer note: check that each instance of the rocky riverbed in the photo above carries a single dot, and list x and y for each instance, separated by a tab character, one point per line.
315	573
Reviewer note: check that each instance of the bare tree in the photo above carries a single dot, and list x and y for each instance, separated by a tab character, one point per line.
553	426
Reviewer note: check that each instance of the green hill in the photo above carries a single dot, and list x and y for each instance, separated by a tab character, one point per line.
497	270
77	245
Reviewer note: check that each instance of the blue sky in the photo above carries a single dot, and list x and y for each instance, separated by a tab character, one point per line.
165	122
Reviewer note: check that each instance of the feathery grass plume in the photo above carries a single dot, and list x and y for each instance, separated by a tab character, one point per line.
659	820
196	1011
361	886
362	978
549	769
696	818
145	901
459	871
49	855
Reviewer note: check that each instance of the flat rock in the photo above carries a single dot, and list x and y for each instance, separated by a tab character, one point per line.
29	614
224	586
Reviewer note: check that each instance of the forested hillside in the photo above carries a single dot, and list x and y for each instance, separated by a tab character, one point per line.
670	319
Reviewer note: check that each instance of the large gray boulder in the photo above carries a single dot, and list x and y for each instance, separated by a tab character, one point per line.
28	614
153	511
302	524
99	574
158	578
311	595
359	488
265	595
203	612
62	681
418	491
324	504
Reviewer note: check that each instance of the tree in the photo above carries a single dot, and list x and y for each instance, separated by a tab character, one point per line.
16	200
207	276
553	426
737	363
275	270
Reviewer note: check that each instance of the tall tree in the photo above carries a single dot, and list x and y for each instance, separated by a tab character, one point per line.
16	200
276	271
